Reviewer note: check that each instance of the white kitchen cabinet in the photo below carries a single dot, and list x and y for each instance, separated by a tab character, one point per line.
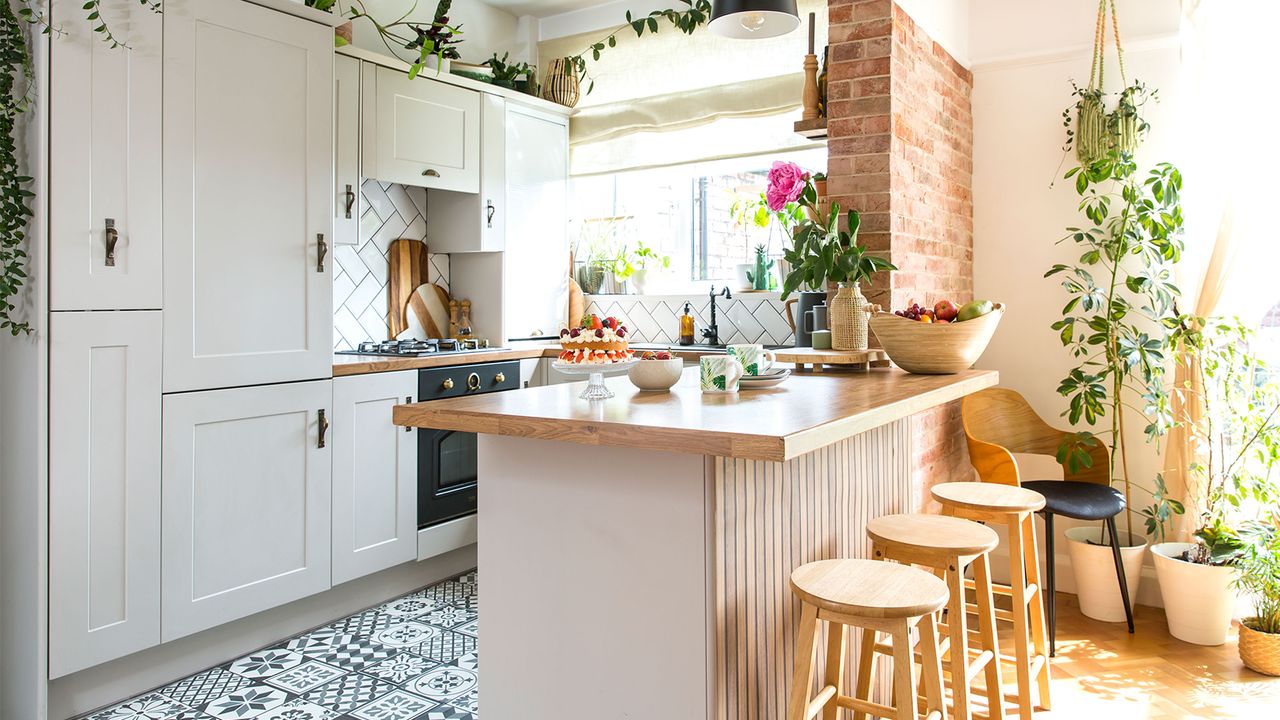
104	160
246	502
346	150
375	475
104	487
463	222
419	132
248	207
536	273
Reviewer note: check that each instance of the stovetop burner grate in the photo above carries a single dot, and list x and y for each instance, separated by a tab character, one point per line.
412	348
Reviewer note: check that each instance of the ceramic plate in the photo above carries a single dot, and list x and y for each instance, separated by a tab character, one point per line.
768	380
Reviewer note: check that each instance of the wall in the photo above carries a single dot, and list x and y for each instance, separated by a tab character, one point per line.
360	271
747	318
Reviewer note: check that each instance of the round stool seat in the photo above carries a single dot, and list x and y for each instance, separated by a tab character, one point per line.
1079	500
868	588
992	497
932	533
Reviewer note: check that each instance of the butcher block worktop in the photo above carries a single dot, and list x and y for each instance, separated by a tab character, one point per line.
803	414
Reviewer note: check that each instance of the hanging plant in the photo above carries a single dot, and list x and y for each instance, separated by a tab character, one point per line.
436	39
1097	131
15	198
686	21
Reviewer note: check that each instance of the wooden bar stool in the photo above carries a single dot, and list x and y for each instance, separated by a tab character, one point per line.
947	545
878	596
1012	507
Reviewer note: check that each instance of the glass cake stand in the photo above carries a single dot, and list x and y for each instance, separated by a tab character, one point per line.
596	389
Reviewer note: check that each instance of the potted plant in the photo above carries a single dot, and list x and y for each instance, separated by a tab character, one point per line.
434	44
1260	578
1237	433
640	266
1120	324
821	252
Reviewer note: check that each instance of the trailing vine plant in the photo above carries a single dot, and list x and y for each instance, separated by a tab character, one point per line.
686	21
15	198
1121	320
437	38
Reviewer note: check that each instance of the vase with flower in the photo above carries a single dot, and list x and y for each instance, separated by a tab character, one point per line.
822	253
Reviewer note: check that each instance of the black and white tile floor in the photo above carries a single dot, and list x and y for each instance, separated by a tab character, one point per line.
410	659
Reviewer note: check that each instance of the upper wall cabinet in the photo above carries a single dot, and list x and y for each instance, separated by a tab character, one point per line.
248	203
460	222
346	150
104	204
420	132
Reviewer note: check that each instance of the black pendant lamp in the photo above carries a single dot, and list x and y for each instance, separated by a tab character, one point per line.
752	19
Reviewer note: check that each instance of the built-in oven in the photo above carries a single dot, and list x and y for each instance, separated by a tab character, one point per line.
447	477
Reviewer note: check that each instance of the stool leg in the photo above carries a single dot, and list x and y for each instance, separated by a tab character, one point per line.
931	667
866	665
1021	636
904	677
802	678
958	627
1051	584
835	667
1124	581
1038	631
987	631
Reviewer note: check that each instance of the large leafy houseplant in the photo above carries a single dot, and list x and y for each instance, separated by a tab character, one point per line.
823	252
1121	321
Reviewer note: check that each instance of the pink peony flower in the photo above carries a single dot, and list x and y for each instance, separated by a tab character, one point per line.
786	183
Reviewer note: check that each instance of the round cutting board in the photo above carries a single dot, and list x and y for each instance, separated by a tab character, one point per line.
427	313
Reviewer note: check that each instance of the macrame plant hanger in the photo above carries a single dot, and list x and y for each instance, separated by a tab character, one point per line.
1097	131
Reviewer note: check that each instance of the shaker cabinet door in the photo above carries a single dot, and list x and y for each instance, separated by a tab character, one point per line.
246	502
346	150
104	159
248	202
104	487
420	132
375	475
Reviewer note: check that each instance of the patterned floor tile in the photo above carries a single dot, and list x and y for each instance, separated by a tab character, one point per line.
249	702
349	692
446	647
449	712
445	683
318	642
355	654
198	689
396	705
470	661
472	628
407	634
472	602
449	616
265	663
365	624
152	706
401	668
298	709
307	676
408	607
469	701
449	592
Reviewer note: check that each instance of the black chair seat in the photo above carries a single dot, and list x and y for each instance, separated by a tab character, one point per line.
1079	500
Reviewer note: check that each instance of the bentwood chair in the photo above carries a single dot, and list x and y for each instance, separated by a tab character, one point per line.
999	422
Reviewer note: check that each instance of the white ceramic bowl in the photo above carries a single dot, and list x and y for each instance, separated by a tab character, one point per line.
656	374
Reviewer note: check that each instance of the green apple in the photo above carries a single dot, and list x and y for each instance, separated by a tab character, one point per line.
975	309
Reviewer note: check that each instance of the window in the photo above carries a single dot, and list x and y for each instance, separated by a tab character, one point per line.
686	212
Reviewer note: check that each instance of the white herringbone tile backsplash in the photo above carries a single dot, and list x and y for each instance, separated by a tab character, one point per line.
655	319
360	271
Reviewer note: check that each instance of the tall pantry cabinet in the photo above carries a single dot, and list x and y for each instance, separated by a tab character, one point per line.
203	152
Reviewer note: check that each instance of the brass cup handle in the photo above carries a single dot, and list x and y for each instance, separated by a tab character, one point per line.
324	426
473	381
322	249
447	384
489	210
113	236
351	200
431	172
500	378
408	399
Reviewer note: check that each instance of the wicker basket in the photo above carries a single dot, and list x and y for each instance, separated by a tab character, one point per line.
560	83
848	315
934	348
1260	651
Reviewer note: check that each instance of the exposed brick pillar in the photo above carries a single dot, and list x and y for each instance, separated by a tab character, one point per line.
900	140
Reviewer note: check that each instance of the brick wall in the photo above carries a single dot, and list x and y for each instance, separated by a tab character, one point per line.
900	139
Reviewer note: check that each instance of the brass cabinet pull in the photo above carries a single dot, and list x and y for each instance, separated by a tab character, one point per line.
351	200
431	172
473	382
322	249
500	378
408	399
113	236
324	426
491	210
447	384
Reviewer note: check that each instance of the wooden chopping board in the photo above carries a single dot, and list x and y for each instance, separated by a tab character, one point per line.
427	313
407	270
577	303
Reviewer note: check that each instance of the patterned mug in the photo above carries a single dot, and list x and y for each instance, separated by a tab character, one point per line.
751	357
720	373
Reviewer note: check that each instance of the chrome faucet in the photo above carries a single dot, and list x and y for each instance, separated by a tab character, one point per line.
712	332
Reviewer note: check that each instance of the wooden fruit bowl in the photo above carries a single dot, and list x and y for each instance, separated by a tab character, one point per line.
934	348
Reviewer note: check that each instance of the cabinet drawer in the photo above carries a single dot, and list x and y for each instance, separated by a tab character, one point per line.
420	132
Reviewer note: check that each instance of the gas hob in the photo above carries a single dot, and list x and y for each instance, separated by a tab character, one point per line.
418	348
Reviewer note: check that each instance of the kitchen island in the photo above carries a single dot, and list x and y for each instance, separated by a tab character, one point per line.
635	552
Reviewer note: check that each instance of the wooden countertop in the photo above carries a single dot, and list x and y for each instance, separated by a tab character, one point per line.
364	364
805	413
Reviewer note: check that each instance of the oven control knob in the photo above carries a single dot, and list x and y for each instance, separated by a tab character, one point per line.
448	383
499	378
473	382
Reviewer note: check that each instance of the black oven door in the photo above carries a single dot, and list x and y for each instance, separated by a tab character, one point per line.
446	475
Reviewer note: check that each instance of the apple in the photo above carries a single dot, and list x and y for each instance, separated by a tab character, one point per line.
945	310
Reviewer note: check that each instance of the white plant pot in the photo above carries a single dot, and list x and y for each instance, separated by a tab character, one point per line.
1095	571
640	282
1198	599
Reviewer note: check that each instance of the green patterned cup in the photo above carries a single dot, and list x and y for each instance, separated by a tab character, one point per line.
754	358
719	373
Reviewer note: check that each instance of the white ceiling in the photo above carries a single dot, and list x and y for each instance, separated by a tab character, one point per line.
542	8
